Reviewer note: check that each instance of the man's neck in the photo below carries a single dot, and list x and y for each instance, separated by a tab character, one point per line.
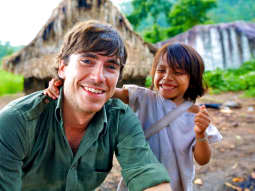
75	119
75	125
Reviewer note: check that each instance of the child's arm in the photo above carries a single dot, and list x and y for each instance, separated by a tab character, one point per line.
122	94
53	91
202	151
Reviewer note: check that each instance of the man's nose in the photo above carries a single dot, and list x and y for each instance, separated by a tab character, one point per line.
98	73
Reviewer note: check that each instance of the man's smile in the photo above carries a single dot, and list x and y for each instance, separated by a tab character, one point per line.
93	90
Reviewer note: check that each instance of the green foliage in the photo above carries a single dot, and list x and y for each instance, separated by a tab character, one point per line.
10	83
232	10
250	92
148	81
154	34
143	10
160	20
241	79
6	49
172	17
188	13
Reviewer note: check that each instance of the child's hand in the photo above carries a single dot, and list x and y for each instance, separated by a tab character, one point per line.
53	91
202	121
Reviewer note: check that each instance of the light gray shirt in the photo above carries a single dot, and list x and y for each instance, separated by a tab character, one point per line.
173	145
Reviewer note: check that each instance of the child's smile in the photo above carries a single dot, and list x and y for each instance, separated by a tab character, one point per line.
171	84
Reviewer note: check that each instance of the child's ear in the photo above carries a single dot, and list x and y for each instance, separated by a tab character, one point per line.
61	69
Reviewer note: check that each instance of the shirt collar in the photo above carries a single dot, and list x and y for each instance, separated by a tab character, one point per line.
58	110
98	123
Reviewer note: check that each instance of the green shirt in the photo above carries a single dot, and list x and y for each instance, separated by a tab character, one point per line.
35	154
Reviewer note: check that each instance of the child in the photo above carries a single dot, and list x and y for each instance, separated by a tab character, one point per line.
177	75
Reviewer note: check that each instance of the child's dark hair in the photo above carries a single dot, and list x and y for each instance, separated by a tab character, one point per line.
184	57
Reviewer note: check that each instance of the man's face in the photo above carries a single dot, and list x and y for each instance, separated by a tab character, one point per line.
90	80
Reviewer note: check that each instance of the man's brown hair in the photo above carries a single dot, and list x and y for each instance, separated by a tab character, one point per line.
93	36
184	57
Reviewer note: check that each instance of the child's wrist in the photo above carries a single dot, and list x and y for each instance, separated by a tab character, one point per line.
200	134
201	137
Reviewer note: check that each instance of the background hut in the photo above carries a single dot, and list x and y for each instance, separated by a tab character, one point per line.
224	45
37	61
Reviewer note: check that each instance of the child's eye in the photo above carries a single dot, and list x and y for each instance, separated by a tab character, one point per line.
179	73
161	70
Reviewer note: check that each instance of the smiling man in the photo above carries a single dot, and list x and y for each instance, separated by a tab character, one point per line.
69	143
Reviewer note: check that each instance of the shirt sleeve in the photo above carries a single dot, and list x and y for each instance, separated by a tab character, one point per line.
137	96
12	149
213	134
132	93
140	168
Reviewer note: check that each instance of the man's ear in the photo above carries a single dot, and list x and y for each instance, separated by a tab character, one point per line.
61	69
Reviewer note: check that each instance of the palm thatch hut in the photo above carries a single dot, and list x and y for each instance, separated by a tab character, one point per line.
36	61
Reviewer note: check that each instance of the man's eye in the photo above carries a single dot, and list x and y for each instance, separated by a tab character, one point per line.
112	66
85	61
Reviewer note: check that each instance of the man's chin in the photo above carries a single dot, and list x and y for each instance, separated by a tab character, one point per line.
91	107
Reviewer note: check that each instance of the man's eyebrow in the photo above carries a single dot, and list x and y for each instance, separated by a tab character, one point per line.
91	55
86	54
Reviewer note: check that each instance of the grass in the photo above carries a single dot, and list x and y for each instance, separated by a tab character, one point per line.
10	83
233	80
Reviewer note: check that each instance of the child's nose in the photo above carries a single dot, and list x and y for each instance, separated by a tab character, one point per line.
169	76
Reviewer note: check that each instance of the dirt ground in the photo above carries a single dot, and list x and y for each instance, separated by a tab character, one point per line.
233	157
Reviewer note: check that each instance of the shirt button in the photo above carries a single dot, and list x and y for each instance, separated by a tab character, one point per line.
74	166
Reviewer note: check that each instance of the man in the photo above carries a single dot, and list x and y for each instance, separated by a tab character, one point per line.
68	143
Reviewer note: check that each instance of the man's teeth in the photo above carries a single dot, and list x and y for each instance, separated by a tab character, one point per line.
93	90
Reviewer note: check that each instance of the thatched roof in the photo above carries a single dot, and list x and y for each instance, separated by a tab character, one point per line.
37	59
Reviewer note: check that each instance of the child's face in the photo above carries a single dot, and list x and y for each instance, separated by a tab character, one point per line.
171	84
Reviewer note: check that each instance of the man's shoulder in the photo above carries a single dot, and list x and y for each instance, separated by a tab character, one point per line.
29	106
115	107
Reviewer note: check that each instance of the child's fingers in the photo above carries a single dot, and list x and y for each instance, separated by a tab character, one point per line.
202	120
201	115
51	94
198	129
53	87
54	92
45	92
57	82
194	108
48	93
203	109
204	123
